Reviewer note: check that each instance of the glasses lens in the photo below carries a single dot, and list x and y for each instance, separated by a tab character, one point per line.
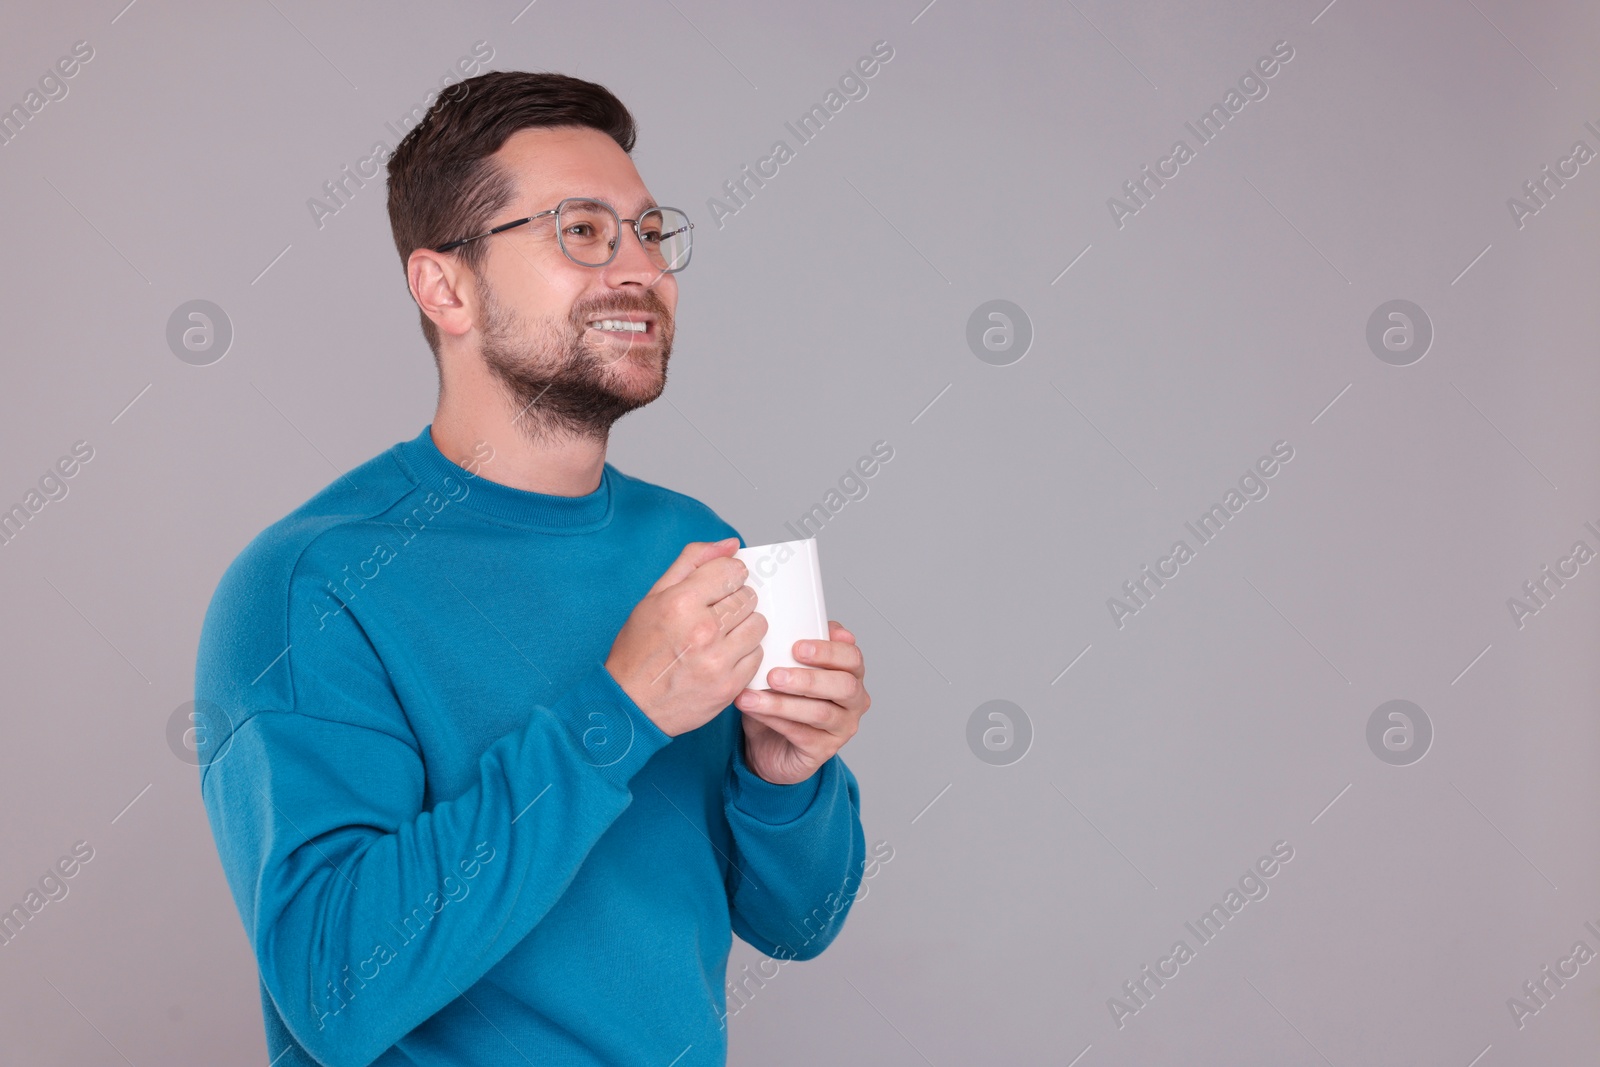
665	233
588	231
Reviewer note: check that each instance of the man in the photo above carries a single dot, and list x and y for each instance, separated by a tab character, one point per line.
480	761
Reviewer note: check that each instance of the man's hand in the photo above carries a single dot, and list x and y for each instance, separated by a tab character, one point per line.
810	713
693	641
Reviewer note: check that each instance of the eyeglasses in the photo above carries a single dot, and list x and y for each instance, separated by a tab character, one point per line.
587	230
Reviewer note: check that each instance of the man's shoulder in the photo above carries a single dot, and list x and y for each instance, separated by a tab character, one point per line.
247	620
267	623
361	494
671	503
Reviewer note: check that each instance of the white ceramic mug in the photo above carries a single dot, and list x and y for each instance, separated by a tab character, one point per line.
787	579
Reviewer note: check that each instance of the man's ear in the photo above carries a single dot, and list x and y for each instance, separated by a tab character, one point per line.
443	289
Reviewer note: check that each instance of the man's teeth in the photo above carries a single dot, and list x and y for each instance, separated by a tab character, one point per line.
620	325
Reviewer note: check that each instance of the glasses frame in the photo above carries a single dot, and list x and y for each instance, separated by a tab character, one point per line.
633	224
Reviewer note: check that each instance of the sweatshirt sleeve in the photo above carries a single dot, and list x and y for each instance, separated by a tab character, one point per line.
799	853
315	793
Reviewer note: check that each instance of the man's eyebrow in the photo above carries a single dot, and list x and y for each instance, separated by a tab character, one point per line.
646	205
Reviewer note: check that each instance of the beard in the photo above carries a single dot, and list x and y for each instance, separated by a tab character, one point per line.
563	381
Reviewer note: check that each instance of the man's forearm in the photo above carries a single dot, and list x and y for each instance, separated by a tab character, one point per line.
799	852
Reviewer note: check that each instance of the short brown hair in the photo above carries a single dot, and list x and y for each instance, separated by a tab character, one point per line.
442	183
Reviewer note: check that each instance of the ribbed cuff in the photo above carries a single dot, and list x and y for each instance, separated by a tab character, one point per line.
609	731
768	801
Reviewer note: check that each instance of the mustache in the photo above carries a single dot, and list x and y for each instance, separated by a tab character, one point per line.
651	305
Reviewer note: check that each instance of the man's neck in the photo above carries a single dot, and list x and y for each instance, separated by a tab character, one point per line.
556	465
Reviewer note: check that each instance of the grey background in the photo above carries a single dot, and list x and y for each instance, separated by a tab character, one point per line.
829	313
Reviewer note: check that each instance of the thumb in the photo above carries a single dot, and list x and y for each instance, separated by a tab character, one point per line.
693	555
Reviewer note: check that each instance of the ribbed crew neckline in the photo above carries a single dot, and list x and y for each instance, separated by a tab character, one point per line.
428	467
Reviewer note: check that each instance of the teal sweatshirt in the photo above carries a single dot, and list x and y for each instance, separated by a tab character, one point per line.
451	836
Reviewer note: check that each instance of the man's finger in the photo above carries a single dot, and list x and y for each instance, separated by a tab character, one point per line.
830	655
734	608
694	554
837	687
715	580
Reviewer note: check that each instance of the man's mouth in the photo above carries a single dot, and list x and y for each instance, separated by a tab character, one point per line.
624	326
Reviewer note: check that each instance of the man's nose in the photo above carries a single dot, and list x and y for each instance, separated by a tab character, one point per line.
632	263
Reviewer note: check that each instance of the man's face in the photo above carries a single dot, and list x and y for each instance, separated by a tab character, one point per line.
563	375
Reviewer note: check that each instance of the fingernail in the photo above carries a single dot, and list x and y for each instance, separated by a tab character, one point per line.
807	649
779	677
